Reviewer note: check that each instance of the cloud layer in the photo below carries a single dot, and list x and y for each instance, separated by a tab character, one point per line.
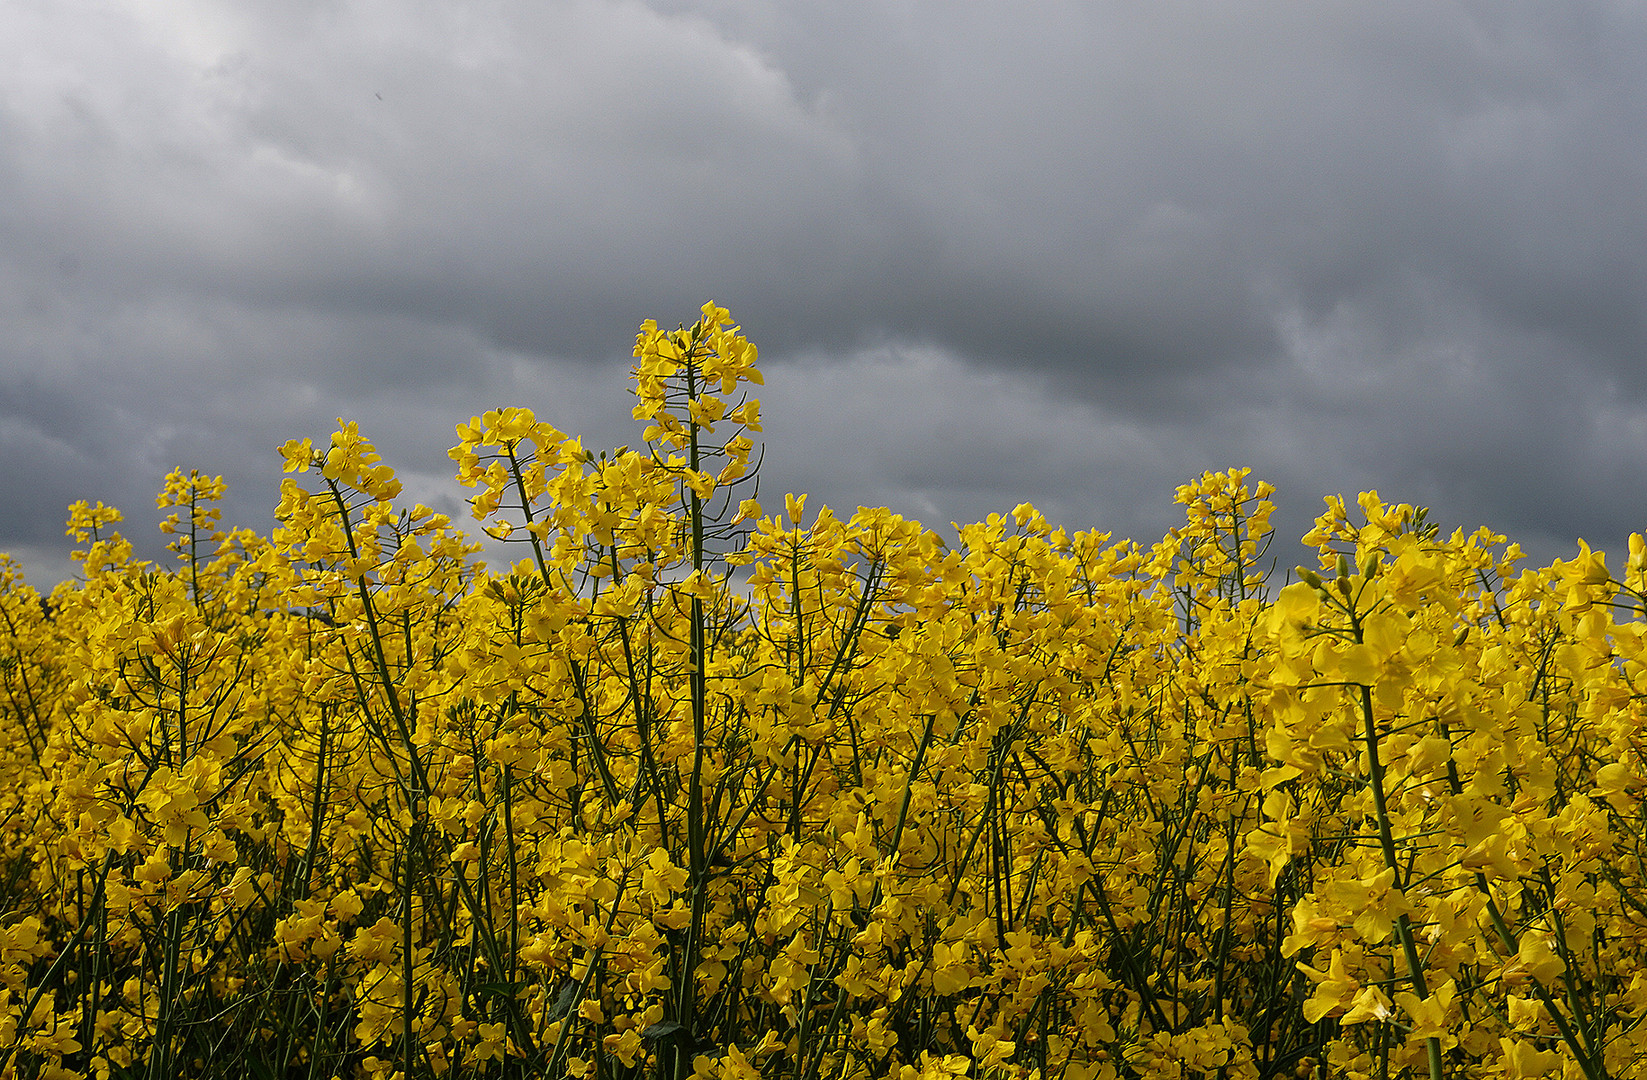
1074	257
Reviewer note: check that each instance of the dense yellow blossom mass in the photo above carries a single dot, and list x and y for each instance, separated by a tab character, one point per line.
695	791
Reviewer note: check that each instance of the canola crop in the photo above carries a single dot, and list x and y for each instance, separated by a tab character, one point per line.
697	790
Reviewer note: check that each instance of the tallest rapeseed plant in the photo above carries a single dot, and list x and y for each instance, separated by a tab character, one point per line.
626	587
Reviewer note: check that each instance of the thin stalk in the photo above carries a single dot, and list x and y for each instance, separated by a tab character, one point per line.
514	872
406	963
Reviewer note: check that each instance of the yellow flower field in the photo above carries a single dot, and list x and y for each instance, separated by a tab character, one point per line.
696	789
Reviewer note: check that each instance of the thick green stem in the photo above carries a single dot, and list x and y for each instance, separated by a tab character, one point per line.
1386	840
696	827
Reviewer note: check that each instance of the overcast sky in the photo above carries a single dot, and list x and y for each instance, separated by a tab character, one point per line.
1074	254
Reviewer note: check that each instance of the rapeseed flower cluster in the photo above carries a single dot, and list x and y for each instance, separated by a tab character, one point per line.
339	802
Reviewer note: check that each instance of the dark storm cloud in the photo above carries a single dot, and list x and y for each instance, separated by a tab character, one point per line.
1074	257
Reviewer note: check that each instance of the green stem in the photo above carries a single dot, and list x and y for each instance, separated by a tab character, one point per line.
1386	840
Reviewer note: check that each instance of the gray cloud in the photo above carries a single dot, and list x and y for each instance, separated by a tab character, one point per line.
1074	257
